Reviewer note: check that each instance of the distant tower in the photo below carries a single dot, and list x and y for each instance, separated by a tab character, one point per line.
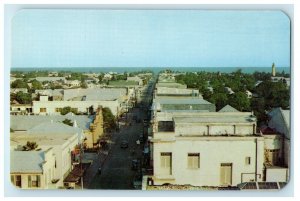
273	70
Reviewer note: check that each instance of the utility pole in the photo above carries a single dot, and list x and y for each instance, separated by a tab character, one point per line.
81	153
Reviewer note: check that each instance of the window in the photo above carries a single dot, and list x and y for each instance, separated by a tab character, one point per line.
248	160
193	160
43	109
16	180
58	109
34	181
166	126
166	163
272	156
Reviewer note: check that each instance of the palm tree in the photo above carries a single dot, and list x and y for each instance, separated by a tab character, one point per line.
30	146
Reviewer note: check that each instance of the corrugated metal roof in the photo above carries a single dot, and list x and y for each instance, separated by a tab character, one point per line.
23	122
180	100
95	94
228	108
26	161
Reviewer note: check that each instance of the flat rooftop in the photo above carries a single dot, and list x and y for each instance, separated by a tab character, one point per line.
180	100
216	119
101	94
43	140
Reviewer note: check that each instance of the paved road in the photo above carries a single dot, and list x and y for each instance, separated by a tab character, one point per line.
116	170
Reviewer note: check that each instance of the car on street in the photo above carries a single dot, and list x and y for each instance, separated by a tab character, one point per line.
135	164
124	144
137	181
141	138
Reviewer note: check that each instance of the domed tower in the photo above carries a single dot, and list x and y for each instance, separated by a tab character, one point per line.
273	70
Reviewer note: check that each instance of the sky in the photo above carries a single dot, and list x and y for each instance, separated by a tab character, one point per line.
150	38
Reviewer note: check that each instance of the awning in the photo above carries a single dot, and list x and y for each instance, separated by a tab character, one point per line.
74	175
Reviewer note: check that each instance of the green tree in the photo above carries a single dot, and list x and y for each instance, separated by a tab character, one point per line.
108	119
258	106
276	94
30	146
66	110
55	86
19	84
219	99
23	98
68	122
83	85
36	85
240	101
100	77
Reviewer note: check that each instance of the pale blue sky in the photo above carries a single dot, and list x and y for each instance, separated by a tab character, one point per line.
150	38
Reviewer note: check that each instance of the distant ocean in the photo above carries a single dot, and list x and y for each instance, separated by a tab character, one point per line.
156	69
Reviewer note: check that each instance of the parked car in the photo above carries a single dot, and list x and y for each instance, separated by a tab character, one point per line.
137	181
141	138
124	144
135	164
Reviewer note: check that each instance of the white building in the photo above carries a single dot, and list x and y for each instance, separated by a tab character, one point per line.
229	90
181	103
249	94
136	79
280	122
24	109
81	100
73	83
55	94
51	79
32	169
286	80
168	91
16	90
206	149
62	146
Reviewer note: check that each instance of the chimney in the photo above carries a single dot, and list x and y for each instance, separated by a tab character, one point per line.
75	124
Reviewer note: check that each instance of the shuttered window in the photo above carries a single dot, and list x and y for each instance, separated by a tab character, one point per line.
193	160
18	180
34	181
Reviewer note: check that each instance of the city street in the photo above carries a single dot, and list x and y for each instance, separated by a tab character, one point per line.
116	170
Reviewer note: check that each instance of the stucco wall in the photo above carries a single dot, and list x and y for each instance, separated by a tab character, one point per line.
214	129
82	106
276	174
212	154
